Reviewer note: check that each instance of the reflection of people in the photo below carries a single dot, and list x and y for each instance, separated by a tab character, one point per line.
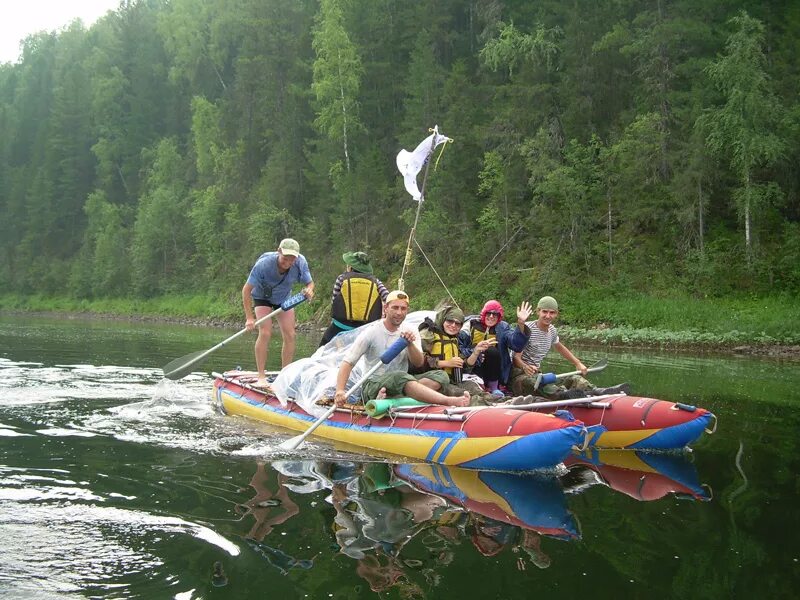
381	577
262	506
357	296
279	559
268	285
393	380
265	501
489	536
376	511
531	544
491	341
543	336
376	515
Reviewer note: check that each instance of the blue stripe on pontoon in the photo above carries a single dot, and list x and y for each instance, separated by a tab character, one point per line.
446	478
435	448
445	435
451	444
219	400
437	474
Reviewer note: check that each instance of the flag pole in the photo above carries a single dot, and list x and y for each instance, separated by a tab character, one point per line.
407	261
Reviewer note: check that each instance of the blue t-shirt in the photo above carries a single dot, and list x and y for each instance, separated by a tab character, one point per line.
272	286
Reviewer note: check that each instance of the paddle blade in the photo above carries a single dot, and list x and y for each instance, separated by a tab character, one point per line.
292	443
598	366
181	367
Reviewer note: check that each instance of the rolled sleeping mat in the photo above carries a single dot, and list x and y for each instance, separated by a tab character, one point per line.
378	408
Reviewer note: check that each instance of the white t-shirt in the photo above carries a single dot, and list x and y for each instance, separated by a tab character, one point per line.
374	341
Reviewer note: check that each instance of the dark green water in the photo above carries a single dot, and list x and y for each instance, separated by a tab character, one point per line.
115	483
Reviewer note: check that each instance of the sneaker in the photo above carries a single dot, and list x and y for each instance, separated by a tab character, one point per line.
622	388
498	394
521	400
571	395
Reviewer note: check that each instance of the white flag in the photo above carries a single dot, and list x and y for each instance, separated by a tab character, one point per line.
411	163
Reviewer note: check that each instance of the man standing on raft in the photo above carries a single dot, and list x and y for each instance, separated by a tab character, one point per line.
268	285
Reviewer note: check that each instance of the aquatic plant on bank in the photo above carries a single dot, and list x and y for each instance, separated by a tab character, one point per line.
650	337
639	321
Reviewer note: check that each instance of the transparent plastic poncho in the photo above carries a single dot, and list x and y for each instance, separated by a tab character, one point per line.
307	380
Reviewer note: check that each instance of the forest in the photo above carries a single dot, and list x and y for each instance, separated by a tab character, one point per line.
625	146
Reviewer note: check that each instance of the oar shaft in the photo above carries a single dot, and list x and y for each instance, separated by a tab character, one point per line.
182	366
201	357
548	378
258	322
418	416
536	405
589	370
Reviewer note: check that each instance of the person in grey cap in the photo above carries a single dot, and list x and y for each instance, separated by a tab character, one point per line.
357	296
268	285
543	336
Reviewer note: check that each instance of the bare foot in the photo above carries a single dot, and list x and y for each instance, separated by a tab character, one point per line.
381	394
261	383
462	401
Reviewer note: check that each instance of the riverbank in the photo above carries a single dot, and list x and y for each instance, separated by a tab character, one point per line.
761	327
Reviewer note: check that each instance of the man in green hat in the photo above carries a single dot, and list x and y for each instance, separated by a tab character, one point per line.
543	336
357	296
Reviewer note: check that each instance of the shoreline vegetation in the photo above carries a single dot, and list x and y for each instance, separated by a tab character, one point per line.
753	326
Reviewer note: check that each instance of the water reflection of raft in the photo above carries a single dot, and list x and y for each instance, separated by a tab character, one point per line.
500	439
527	501
643	476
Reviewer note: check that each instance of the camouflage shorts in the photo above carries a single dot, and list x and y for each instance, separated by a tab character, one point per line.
395	381
522	384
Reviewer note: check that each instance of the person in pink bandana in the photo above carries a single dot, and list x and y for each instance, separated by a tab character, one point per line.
491	341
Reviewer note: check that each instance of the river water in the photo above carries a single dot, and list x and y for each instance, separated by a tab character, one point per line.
116	483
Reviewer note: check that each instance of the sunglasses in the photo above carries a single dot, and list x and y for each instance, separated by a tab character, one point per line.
492	313
453	322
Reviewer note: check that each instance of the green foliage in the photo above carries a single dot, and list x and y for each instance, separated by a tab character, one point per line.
161	244
610	317
745	128
511	47
105	266
598	147
337	76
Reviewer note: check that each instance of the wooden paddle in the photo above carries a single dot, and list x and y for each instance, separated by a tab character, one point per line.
181	367
388	356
